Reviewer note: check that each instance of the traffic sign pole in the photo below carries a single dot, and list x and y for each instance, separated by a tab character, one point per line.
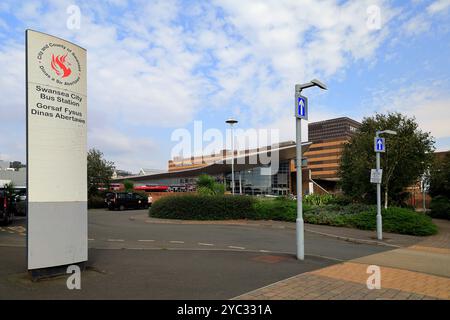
299	220
379	218
301	112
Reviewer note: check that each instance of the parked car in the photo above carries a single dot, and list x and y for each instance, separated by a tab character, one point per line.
127	200
20	203
6	208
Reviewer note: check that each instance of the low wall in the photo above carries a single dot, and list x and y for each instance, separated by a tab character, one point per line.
159	195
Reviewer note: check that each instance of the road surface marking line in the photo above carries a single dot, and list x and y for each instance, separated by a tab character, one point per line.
91	239
233	247
205	244
174	241
116	240
146	240
264	251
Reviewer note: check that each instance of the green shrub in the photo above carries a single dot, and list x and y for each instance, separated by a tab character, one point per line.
222	207
318	199
276	209
354	208
128	185
95	202
396	220
440	208
202	207
342	200
207	186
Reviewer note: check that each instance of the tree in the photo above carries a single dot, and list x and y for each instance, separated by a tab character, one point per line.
407	156
9	188
99	171
440	177
207	185
128	185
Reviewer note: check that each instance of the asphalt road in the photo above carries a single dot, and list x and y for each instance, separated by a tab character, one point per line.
128	229
130	258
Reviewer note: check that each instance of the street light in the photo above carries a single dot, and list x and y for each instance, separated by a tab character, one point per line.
232	122
378	150
424	187
301	107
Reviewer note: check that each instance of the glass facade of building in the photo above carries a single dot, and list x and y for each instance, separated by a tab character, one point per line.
254	181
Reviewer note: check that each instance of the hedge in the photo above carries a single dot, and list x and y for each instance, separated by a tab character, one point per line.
395	220
203	207
277	209
440	208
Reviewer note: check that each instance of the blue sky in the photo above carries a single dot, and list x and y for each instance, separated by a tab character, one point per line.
158	66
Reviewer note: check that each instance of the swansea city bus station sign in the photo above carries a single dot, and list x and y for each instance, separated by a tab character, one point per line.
56	151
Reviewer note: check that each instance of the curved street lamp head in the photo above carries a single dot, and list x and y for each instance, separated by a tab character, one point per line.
319	84
231	121
312	83
387	131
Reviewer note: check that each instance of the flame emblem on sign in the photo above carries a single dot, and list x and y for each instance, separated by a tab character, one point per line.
60	65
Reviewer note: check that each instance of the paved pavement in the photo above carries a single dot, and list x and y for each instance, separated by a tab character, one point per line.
155	274
133	256
418	272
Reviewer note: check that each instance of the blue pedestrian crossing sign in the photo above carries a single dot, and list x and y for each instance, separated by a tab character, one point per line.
301	107
379	145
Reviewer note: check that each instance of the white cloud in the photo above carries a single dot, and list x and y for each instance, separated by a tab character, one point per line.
147	69
422	22
429	104
127	151
438	6
417	25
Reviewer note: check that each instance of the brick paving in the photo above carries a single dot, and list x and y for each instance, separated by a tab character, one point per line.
347	281
440	240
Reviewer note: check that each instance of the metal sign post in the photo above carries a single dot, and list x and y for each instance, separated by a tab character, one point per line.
301	112
379	147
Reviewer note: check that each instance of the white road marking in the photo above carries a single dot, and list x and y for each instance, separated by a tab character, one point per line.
264	251
146	240
91	239
116	240
205	244
233	247
174	241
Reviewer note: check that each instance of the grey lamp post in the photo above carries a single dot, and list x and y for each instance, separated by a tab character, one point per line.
378	149
301	112
232	122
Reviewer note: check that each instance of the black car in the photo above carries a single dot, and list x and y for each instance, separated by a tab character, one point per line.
126	200
6	208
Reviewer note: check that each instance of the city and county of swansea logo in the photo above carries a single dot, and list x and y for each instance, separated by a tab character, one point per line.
61	66
59	63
